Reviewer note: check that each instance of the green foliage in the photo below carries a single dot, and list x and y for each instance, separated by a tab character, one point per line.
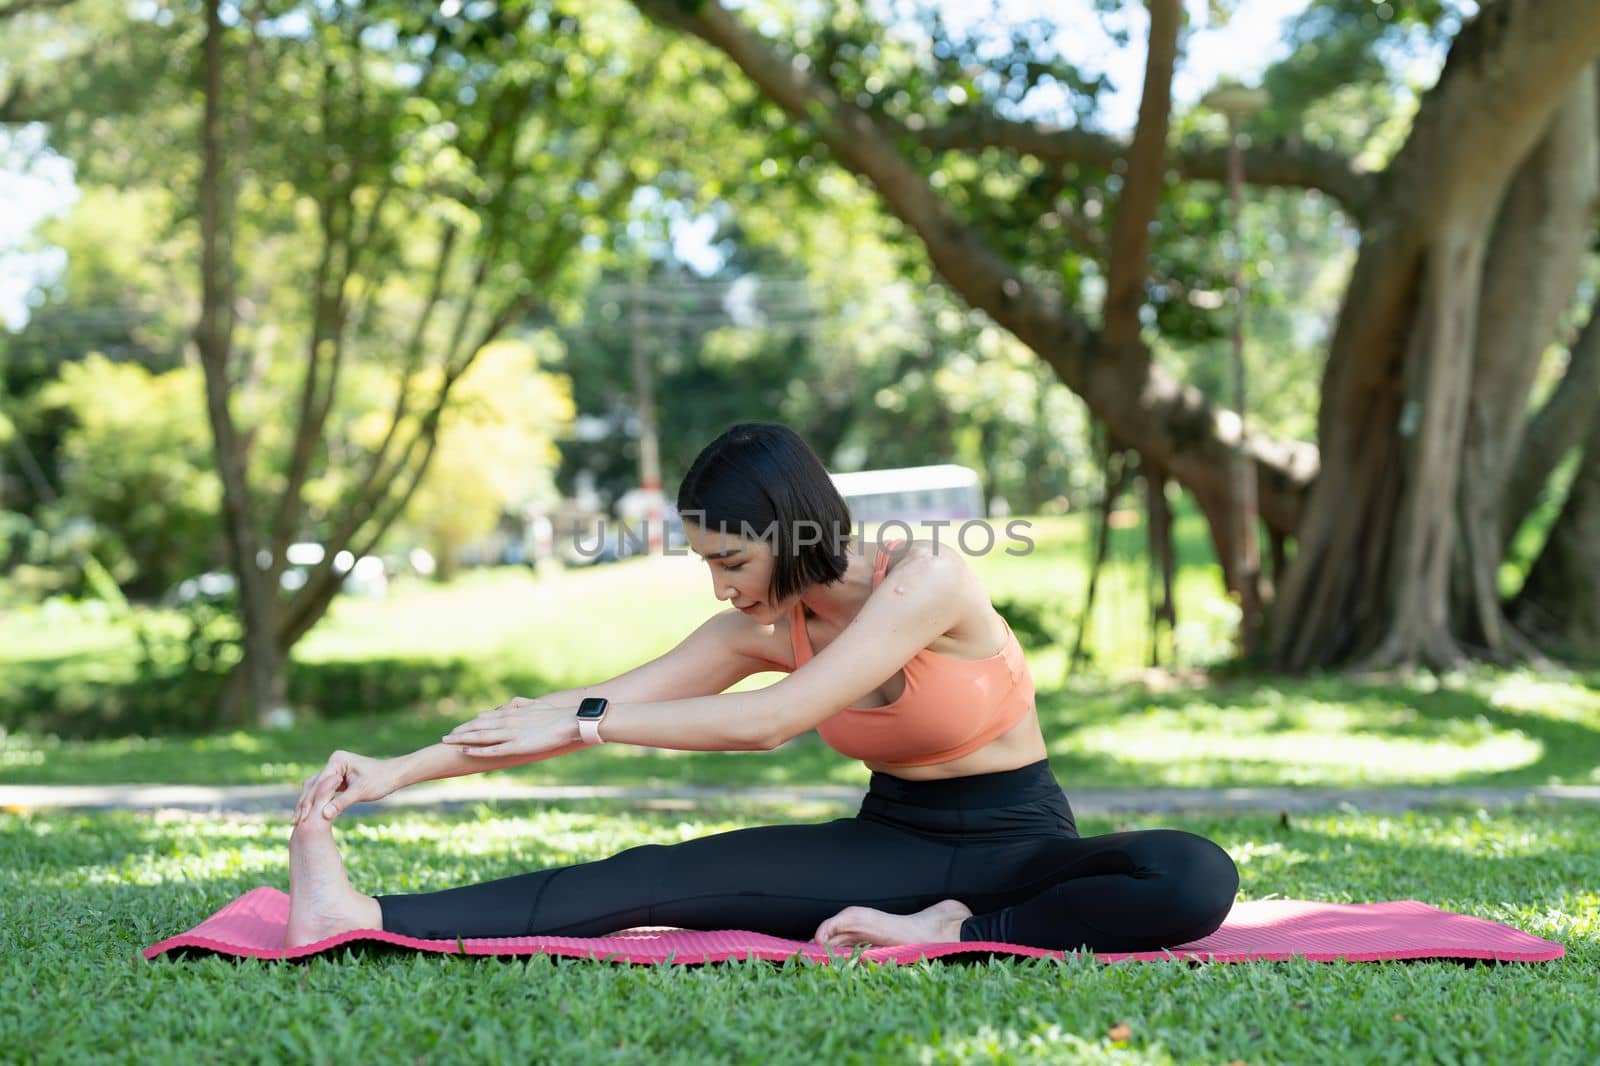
175	682
79	698
495	453
137	463
200	635
1337	44
337	689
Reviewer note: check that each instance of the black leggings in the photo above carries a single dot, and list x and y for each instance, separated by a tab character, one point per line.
1004	844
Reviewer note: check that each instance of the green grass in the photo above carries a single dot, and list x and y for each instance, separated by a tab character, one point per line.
83	893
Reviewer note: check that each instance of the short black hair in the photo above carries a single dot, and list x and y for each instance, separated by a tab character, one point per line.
759	479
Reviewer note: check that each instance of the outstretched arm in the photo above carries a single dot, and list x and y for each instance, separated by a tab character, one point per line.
710	659
901	618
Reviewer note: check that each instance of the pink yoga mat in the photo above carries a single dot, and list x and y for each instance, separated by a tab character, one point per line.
253	926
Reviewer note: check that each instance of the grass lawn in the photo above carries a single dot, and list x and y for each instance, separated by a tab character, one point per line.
83	893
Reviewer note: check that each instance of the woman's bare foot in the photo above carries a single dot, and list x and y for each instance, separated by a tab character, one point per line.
938	924
321	901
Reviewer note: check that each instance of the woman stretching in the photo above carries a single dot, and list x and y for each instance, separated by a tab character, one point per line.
896	657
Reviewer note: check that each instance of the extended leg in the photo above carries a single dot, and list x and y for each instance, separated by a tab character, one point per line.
782	880
1138	891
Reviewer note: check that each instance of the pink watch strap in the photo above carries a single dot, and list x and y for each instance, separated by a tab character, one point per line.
589	730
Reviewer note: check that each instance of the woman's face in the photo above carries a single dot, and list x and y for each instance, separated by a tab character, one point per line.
741	568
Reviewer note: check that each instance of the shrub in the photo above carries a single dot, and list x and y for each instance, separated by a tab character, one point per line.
85	697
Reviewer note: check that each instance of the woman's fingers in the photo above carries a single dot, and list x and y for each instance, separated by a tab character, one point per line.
479	735
308	792
333	779
483	721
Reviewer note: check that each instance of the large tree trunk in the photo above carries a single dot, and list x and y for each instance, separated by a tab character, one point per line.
1561	422
1557	429
1375	540
1560	603
1535	257
1369	581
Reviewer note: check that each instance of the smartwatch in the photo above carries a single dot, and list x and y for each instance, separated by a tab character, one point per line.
590	711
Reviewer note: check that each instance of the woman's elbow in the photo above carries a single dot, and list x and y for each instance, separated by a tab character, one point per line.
765	729
767	738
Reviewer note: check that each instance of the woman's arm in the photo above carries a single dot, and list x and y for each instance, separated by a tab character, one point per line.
438	761
900	619
719	653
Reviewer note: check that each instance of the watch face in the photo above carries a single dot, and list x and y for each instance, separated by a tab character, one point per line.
592	707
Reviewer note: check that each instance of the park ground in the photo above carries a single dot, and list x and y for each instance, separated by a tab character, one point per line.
82	892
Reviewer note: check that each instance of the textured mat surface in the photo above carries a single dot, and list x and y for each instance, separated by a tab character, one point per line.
253	926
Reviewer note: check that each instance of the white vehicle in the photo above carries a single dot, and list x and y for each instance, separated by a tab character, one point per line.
912	493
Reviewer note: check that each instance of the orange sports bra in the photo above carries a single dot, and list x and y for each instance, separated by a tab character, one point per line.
950	707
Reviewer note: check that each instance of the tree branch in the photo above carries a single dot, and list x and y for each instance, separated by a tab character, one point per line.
1287	163
1137	400
22	7
373	506
1129	267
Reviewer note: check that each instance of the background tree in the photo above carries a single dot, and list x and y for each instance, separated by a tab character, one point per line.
1446	229
136	463
365	196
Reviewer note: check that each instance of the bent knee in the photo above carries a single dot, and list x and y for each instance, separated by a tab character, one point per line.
1203	879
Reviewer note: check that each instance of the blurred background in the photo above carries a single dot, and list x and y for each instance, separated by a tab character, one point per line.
344	345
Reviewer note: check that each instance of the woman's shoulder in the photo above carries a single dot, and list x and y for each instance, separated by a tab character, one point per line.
978	626
939	567
928	559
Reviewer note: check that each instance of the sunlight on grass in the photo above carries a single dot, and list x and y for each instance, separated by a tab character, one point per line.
1043	1039
1563	697
1303	742
57	630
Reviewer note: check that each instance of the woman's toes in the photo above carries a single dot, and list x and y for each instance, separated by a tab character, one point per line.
321	901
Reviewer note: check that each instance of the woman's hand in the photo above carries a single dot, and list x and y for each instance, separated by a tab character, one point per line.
348	778
521	727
